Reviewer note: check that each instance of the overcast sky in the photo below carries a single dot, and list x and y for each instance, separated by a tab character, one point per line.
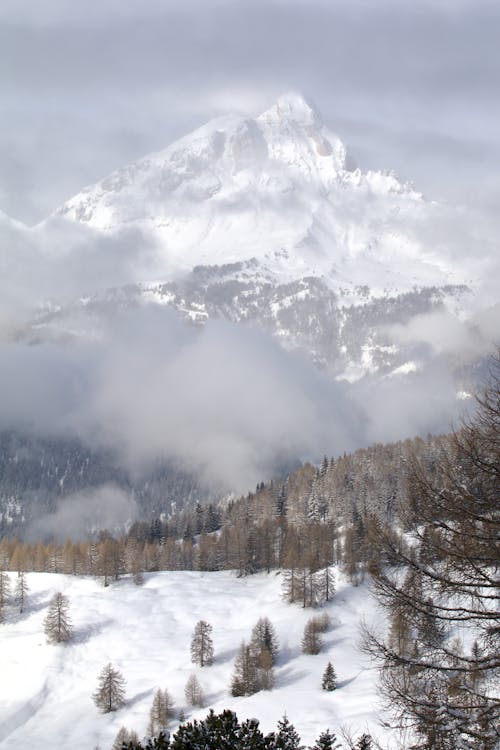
87	87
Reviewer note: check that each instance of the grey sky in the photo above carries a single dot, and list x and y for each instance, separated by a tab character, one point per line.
85	88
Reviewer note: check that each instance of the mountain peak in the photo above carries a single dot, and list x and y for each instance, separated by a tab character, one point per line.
294	107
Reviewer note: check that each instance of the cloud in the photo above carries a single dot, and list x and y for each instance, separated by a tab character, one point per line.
226	401
446	334
62	261
83	513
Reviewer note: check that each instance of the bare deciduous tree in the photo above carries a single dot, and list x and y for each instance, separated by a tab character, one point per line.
161	712
202	648
110	693
193	692
442	578
57	624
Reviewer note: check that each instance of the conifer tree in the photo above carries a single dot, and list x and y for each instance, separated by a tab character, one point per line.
264	637
311	640
245	679
265	671
161	712
326	741
286	738
57	624
329	681
21	590
202	647
365	742
4	593
110	693
193	692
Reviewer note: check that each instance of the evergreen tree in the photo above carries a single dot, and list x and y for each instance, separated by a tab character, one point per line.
286	738
265	671
110	693
4	593
21	591
311	640
365	742
161	712
245	677
202	647
57	624
329	681
326	741
193	692
264	637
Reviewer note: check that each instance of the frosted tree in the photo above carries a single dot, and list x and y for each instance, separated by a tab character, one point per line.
286	738
110	693
365	742
202	647
326	741
125	737
4	593
161	712
21	590
193	692
57	624
329	681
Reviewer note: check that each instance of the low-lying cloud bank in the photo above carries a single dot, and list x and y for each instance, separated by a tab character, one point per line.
225	400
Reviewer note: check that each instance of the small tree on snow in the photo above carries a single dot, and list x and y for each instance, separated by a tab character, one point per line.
4	592
264	637
57	624
202	647
326	741
110	694
21	591
161	712
329	681
193	692
311	640
365	742
287	738
125	737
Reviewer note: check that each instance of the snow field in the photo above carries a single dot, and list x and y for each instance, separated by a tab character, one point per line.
46	690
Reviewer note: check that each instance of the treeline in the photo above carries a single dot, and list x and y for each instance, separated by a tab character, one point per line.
317	518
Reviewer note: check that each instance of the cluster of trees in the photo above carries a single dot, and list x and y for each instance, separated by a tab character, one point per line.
318	517
18	598
224	730
254	664
311	640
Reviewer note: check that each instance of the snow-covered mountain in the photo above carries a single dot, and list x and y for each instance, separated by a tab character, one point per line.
280	188
269	219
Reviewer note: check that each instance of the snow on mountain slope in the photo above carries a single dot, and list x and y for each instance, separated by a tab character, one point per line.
280	188
145	632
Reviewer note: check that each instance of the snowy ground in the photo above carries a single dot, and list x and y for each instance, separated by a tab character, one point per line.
45	690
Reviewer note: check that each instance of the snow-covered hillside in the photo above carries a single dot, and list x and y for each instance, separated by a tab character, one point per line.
45	690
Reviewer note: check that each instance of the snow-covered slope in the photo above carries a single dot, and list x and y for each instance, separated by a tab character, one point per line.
46	690
280	188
